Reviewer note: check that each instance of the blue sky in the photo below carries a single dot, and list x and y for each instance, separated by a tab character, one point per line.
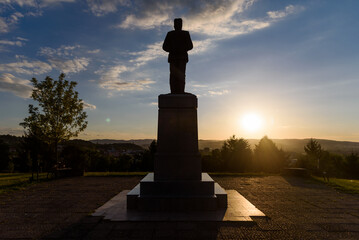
291	64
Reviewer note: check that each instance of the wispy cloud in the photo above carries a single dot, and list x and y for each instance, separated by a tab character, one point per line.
26	67
100	8
111	79
68	66
290	9
62	51
17	86
6	23
151	52
218	93
19	42
88	106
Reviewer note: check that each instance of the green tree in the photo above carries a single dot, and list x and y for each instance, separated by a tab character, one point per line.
236	154
59	114
268	157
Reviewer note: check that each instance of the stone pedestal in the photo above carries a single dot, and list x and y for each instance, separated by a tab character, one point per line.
177	183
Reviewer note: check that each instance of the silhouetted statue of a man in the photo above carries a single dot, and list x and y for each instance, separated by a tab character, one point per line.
177	43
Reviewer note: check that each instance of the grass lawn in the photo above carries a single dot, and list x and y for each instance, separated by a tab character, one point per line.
16	181
114	174
346	185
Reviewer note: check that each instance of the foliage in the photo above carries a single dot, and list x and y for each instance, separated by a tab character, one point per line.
4	156
148	159
352	165
58	116
236	154
267	156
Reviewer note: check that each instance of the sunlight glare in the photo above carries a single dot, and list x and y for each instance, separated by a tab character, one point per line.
251	122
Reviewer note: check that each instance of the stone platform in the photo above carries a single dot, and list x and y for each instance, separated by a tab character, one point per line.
239	210
177	195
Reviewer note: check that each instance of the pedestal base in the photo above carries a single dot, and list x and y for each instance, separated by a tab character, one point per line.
201	195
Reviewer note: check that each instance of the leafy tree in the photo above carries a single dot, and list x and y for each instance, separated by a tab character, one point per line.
59	114
268	157
236	154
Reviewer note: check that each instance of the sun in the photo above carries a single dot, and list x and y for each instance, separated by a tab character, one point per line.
251	122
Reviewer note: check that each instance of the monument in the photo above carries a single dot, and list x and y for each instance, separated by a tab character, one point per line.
177	183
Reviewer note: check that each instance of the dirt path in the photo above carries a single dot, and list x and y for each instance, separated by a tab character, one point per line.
298	209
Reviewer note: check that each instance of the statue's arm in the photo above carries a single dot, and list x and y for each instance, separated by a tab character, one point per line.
166	44
189	42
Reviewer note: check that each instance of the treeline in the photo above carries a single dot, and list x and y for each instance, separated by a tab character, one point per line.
24	154
236	155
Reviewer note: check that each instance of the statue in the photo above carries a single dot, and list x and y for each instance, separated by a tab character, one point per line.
177	43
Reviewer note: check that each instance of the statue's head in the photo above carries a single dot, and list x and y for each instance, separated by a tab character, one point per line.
178	23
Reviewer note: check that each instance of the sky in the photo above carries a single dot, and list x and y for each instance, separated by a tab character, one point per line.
281	68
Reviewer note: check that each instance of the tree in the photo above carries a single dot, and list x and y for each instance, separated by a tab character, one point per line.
268	157
236	154
314	159
4	156
59	114
313	149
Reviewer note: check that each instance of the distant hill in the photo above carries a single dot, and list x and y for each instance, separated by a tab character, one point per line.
140	142
289	145
294	145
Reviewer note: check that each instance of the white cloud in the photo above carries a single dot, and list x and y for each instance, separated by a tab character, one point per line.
93	51
17	86
100	8
26	67
21	3
9	22
146	22
11	43
62	51
88	106
110	78
218	93
68	66
152	52
290	9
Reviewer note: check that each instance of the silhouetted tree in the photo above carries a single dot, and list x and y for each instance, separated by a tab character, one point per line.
352	165
148	157
315	157
75	157
4	156
236	154
268	157
59	114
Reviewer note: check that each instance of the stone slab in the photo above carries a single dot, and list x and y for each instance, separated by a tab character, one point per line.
203	187
239	210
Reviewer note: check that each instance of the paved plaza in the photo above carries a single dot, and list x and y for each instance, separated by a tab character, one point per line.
296	208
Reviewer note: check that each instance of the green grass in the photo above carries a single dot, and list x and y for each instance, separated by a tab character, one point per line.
16	181
346	185
125	174
248	174
114	174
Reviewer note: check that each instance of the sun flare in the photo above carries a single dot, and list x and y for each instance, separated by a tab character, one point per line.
251	122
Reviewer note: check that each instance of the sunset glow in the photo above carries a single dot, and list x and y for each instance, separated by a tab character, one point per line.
251	122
